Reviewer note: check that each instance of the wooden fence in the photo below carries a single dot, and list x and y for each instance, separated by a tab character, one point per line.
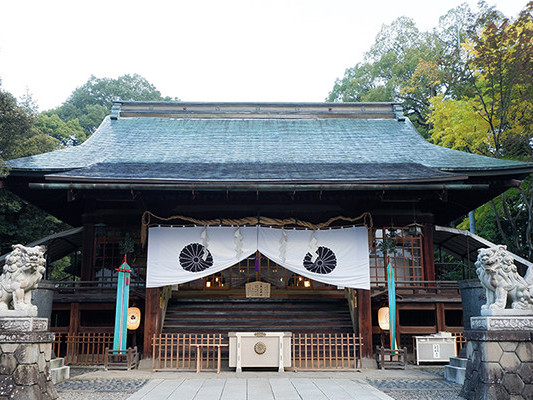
326	351
459	340
86	348
309	351
58	345
177	351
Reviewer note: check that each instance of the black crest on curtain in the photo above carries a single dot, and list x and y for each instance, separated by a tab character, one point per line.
324	264
195	258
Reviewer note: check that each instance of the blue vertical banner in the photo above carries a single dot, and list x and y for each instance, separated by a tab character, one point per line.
121	311
392	304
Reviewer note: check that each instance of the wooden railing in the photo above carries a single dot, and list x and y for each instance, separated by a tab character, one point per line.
323	351
87	348
420	287
177	351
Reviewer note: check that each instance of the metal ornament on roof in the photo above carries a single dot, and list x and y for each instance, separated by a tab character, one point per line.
324	262
195	258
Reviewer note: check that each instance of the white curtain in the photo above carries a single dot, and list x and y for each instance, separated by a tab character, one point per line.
333	256
177	255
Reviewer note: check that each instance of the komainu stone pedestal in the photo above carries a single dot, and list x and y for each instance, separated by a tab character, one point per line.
500	358
25	351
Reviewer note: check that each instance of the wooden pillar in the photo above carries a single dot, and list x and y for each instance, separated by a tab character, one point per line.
364	311
87	253
429	259
152	319
74	325
440	315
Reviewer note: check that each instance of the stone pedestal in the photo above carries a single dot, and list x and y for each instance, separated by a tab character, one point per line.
43	298
25	350
500	358
472	297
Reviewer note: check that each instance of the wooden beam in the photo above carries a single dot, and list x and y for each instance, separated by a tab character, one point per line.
429	259
152	319
364	311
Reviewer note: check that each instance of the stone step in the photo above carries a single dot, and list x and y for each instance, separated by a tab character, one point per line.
57	362
458	362
60	374
454	374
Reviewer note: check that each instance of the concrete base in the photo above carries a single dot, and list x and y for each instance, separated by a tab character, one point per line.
60	372
25	350
456	371
500	365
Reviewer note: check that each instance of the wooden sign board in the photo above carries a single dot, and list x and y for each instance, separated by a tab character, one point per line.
258	290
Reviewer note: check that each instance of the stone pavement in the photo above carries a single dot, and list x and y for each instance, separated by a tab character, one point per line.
278	388
415	383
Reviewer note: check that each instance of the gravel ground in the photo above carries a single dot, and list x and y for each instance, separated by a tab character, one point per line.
97	389
410	389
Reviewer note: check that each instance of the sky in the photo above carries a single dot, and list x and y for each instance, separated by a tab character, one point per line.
199	50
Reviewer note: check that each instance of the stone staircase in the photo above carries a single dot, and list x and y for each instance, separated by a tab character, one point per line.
59	371
456	370
225	315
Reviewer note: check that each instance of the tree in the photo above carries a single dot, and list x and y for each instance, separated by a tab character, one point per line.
15	126
409	66
91	102
21	222
495	118
67	133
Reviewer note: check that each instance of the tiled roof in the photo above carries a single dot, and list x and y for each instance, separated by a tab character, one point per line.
279	172
266	146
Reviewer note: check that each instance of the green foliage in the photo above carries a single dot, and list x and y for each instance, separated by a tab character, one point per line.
495	118
21	222
91	102
16	126
408	66
67	133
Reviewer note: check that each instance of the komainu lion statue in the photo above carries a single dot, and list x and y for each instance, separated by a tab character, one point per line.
503	285
23	270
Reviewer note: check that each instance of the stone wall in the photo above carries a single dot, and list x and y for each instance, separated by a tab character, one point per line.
25	351
500	365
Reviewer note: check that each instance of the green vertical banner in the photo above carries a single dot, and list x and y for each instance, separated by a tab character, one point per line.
121	311
392	304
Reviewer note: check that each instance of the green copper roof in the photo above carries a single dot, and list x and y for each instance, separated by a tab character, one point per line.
322	134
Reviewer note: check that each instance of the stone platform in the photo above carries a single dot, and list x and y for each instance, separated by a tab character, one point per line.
500	358
25	352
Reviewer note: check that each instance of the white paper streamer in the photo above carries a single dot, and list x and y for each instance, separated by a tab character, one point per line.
205	243
313	247
238	242
283	245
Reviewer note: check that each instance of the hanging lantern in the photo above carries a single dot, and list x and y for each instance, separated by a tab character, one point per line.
307	283
134	318
383	318
414	229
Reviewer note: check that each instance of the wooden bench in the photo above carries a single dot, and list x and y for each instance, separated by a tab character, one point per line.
391	359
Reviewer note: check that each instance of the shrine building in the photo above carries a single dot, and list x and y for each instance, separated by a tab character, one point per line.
313	200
